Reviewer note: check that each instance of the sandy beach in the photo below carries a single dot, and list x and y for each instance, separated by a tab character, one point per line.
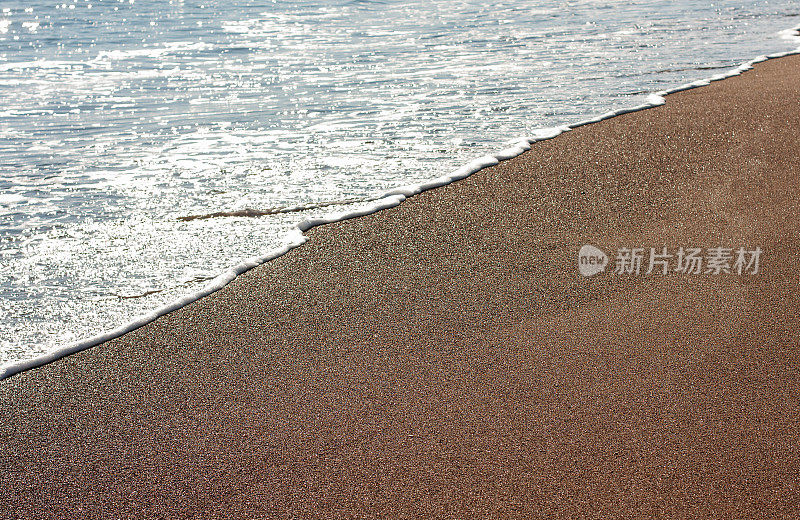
446	359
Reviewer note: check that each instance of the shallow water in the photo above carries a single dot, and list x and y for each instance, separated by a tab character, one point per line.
117	119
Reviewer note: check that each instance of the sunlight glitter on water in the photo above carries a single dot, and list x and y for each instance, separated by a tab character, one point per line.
122	117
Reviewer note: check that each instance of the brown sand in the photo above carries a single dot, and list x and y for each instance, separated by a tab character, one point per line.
444	359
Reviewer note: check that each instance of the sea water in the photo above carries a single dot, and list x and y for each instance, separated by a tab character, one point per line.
120	121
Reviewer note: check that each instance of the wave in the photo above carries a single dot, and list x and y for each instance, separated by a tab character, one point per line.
387	200
249	212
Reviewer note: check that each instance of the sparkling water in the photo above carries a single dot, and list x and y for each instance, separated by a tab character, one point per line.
121	120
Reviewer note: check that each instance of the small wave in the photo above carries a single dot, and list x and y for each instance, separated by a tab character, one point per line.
142	295
42	64
690	69
790	34
249	212
187	283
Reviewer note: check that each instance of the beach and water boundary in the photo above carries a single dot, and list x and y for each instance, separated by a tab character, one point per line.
387	200
444	358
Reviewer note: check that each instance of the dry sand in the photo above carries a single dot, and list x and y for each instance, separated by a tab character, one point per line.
445	359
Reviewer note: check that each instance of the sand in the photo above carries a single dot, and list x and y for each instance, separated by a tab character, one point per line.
445	359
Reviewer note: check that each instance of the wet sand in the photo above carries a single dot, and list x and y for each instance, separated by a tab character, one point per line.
445	359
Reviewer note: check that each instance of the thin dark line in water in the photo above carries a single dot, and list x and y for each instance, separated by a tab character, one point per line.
249	212
146	293
196	279
704	67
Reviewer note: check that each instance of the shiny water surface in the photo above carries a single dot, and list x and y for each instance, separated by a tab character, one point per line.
118	118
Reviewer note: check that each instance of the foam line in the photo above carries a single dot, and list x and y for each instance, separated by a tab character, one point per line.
389	199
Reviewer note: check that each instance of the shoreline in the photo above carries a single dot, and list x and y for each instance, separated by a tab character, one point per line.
445	359
389	199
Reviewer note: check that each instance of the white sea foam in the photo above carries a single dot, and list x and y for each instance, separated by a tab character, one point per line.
388	200
790	34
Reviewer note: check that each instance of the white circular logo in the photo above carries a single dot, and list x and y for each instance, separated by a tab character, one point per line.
591	260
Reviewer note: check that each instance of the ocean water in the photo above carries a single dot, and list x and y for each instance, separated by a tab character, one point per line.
121	120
